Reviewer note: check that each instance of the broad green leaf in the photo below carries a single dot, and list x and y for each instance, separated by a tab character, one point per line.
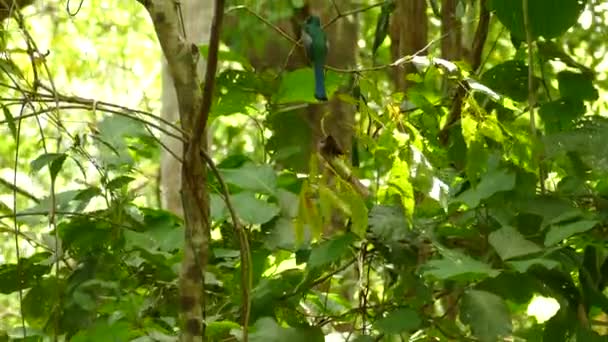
330	251
103	331
560	115
509	78
266	329
217	207
253	210
559	232
547	18
522	266
257	178
487	314
491	183
235	93
424	178
399	321
119	182
577	86
291	140
358	211
8	66
298	85
135	239
388	223
283	236
490	128
118	137
53	160
455	265
13	277
510	243
399	179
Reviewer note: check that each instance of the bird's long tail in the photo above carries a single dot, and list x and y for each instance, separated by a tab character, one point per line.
320	93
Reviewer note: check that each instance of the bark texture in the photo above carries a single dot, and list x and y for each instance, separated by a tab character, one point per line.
197	19
408	31
451	31
182	57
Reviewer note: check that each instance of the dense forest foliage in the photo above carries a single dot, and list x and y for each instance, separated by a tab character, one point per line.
453	185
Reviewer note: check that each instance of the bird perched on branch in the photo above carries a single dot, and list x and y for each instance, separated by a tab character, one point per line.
315	42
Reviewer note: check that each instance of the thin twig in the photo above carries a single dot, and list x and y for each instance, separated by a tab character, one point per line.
531	94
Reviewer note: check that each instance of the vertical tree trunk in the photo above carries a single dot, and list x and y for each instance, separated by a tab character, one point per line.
408	32
451	31
182	57
197	19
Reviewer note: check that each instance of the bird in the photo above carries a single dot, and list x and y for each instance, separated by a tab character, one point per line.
315	42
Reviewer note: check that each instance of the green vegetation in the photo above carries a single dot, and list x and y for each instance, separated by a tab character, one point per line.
458	194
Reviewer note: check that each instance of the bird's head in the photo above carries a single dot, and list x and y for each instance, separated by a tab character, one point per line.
313	20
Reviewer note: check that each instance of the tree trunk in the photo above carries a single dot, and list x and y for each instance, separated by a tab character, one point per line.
197	17
408	31
182	57
451	31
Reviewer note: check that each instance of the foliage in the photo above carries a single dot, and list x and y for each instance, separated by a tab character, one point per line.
453	243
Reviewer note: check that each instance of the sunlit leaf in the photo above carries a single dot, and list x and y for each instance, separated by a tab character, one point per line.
510	243
253	210
455	265
258	178
560	232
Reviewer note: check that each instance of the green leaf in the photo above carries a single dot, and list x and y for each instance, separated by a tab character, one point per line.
522	266
53	160
235	93
561	115
547	18
389	223
218	330
103	331
399	180
283	236
358	211
253	210
266	329
13	277
577	86
119	182
330	251
10	121
510	243
559	232
455	265
487	314
491	183
257	178
298	85
490	128
9	67
399	321
509	78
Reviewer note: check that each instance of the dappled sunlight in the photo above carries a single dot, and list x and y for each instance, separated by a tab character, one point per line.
542	308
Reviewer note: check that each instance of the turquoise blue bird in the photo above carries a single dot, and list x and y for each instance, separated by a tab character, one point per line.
315	42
